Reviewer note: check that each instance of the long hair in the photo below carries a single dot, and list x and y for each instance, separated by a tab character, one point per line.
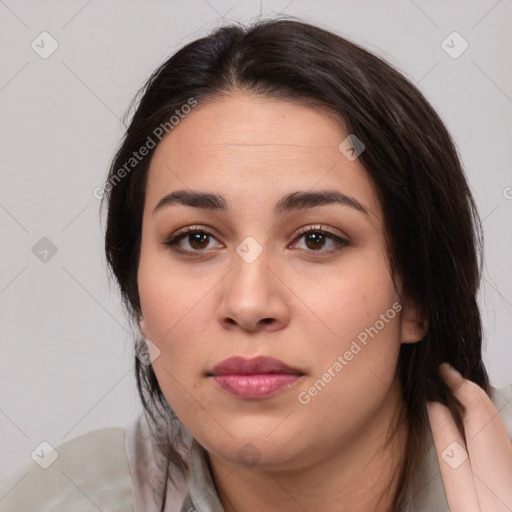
432	229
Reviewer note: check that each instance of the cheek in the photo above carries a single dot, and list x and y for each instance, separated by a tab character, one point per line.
167	296
355	297
177	309
356	370
362	311
173	320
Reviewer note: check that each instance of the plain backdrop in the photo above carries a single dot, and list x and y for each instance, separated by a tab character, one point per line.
66	358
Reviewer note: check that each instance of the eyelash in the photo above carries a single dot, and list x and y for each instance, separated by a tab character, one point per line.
173	241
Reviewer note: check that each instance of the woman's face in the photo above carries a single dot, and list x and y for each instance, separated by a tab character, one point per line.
250	283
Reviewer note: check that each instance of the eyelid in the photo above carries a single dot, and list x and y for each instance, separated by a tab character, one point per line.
321	228
193	227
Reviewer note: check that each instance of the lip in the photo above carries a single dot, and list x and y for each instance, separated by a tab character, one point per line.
256	378
255	366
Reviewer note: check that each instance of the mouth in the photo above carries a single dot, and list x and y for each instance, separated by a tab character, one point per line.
257	378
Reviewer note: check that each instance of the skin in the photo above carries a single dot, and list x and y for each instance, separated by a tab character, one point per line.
300	301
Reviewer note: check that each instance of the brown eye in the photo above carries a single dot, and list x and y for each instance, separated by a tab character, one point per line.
320	240
315	240
198	240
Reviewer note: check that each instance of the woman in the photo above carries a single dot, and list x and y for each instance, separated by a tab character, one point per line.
289	222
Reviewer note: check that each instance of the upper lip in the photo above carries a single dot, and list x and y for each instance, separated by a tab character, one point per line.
257	365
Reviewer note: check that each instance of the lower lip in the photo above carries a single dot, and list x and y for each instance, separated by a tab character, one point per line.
255	386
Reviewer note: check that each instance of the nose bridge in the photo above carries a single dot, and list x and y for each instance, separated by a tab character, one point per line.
250	275
251	292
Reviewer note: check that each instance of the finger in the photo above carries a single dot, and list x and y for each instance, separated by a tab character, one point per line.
453	460
487	442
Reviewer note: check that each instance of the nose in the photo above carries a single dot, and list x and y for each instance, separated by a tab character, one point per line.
254	297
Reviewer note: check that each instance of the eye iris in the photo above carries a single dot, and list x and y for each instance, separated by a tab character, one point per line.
197	240
317	238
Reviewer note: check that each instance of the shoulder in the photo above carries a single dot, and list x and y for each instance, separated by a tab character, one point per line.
148	468
87	473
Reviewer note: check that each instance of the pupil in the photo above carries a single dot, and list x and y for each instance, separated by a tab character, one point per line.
317	239
198	240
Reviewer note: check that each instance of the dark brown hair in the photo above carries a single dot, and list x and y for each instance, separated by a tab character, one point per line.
433	232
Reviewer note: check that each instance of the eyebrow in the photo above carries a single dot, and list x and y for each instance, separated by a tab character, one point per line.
294	201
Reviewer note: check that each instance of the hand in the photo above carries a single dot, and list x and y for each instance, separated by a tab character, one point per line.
476	477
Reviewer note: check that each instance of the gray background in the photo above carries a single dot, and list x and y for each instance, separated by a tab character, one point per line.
66	364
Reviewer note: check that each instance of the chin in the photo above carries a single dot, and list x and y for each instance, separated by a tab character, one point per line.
256	451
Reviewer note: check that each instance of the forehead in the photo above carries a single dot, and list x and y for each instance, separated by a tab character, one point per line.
252	147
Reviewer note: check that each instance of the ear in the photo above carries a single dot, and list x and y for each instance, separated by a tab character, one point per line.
414	324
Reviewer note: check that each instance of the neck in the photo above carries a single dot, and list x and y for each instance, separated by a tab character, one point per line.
358	476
